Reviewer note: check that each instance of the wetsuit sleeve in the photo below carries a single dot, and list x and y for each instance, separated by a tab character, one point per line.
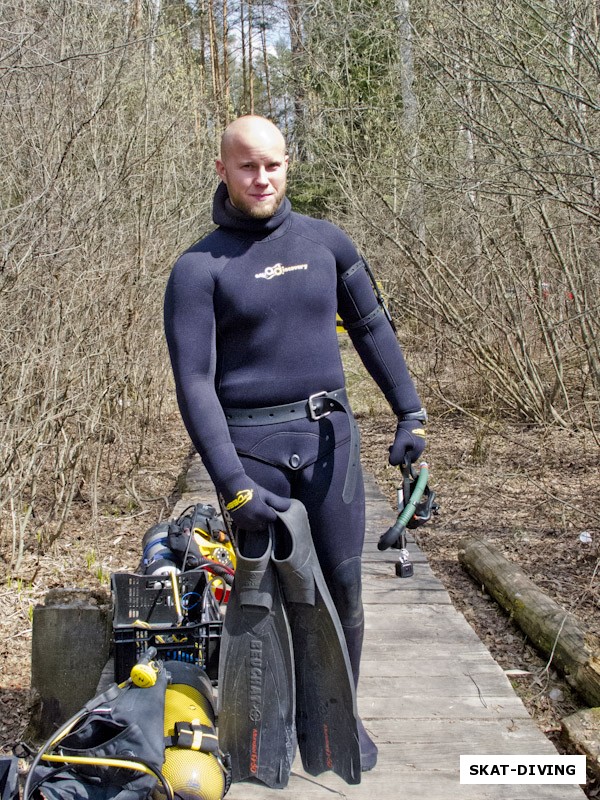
190	332
373	337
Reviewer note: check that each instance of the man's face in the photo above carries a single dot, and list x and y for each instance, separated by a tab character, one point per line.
254	166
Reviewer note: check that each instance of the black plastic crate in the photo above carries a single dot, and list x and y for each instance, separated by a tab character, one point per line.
146	615
150	599
198	644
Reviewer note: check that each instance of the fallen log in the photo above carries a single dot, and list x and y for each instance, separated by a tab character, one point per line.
573	650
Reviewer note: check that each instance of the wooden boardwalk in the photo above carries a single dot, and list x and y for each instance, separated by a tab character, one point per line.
429	689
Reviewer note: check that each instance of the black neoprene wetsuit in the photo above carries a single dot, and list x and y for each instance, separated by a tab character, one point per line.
250	320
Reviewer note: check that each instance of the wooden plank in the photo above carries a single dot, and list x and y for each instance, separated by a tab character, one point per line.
382	578
383	566
458	684
403	631
380	651
416	617
467	662
412	596
377	563
407	706
460	736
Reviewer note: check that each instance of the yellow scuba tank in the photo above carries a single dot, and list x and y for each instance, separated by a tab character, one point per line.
194	766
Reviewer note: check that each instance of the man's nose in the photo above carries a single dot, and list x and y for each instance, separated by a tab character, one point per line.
261	176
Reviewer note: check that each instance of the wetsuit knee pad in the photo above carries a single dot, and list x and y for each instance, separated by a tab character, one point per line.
345	587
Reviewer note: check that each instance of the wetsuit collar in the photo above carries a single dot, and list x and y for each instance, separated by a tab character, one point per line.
228	216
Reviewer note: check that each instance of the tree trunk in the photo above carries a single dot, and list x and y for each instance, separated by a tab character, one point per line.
263	36
556	632
244	104
226	90
214	60
410	114
295	24
250	58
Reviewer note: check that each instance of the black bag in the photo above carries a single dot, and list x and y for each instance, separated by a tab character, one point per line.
125	724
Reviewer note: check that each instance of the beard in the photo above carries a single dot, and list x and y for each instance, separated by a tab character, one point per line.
258	210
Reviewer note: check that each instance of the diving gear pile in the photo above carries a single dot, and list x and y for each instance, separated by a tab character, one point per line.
133	742
173	602
284	670
285	678
153	734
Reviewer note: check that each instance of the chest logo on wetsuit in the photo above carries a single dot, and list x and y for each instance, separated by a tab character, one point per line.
278	269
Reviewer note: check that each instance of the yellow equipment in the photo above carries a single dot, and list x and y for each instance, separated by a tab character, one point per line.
156	735
194	766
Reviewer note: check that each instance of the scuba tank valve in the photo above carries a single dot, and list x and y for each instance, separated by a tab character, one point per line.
145	672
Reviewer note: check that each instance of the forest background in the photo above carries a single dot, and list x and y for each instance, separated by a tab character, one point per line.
457	141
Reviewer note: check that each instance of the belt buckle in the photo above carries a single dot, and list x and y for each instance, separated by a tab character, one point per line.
312	412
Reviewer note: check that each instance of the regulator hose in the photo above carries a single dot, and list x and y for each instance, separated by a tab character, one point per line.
391	536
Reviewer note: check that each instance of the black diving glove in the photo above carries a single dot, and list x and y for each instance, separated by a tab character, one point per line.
250	507
409	442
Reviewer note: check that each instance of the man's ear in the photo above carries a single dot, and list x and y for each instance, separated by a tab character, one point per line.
221	171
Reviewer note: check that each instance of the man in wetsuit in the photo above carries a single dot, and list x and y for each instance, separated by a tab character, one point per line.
250	320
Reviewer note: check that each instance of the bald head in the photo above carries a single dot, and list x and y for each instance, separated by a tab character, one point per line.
250	130
253	164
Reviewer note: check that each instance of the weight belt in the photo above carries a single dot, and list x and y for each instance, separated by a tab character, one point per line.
315	407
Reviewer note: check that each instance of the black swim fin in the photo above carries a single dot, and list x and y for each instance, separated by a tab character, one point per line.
326	714
256	671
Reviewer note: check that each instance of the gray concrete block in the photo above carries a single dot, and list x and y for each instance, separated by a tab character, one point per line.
70	646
